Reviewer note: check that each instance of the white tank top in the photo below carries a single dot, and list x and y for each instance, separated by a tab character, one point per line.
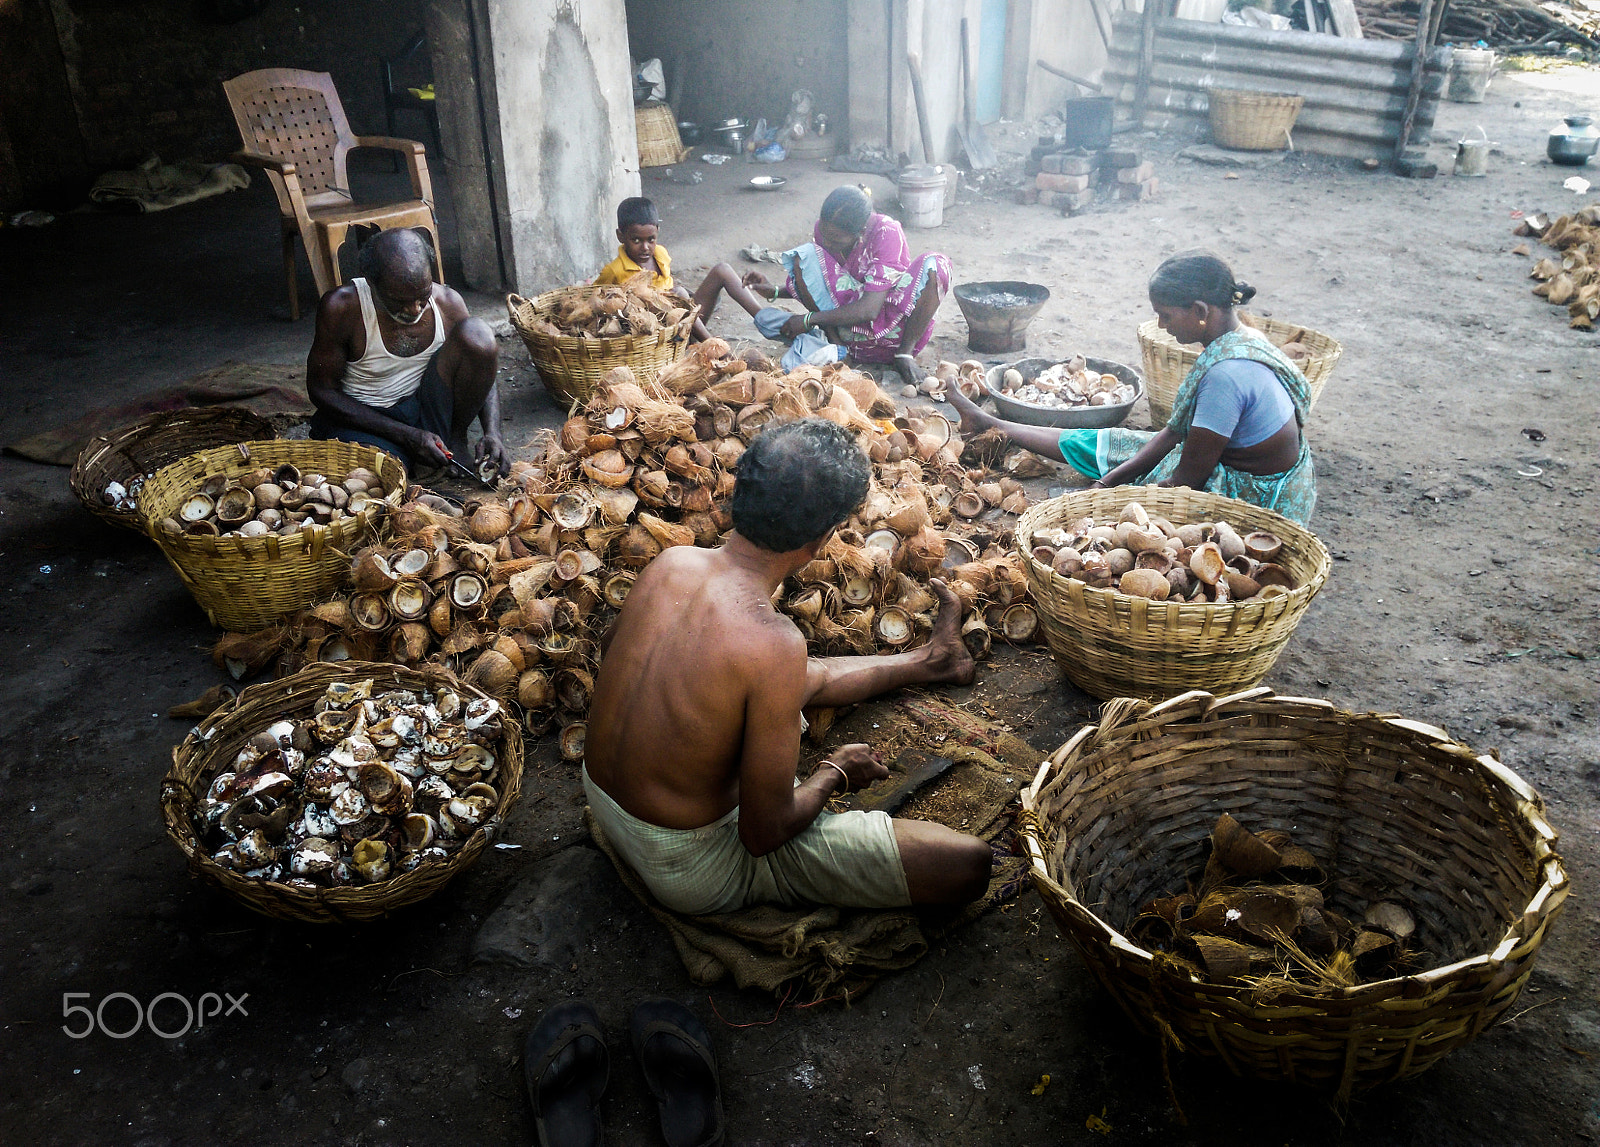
379	378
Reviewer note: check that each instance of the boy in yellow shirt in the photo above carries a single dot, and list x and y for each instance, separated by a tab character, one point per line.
638	225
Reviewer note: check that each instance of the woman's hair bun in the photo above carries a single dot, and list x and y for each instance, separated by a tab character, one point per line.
1243	293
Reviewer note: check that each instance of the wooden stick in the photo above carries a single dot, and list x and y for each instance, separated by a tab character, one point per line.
1419	64
1147	58
1055	71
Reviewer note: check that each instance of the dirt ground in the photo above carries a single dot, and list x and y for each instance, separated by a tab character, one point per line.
1463	594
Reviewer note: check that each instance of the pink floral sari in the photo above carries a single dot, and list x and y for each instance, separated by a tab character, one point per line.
879	262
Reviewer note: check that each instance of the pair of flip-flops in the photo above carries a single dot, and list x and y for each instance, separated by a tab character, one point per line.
566	1067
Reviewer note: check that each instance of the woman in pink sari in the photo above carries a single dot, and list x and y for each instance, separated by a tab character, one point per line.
861	286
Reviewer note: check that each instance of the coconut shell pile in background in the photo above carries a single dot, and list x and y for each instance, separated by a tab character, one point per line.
1572	279
272	501
1200	562
514	590
1257	915
634	308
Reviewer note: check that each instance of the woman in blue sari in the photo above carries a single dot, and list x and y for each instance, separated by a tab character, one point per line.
1236	421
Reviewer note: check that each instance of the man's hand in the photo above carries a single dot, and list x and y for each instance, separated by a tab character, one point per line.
426	447
860	764
794	327
491	447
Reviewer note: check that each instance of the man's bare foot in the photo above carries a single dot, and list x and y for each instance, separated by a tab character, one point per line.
948	656
973	418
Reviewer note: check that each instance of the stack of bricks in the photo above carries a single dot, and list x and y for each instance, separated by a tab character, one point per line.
1067	180
1130	178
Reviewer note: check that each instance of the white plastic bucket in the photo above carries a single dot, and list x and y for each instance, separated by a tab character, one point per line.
1470	70
922	191
1472	155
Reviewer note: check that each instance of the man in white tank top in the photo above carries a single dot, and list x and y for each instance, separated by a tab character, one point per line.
397	362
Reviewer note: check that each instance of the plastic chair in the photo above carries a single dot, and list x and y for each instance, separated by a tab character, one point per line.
400	99
294	127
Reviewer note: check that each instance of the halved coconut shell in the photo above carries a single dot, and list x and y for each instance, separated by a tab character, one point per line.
1019	623
235	506
1145	583
975	636
574	687
468	590
893	626
1262	545
369	612
196	508
371	572
409	599
615	588
1207	563
1272	574
572	740
1240	851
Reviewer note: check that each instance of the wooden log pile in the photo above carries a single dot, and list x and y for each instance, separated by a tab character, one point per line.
1503	24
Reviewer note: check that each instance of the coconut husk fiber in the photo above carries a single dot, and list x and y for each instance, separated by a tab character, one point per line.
818	953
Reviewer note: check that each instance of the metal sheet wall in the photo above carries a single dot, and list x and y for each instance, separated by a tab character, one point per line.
1355	90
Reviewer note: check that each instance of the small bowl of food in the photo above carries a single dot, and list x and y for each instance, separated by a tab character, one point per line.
1075	394
769	182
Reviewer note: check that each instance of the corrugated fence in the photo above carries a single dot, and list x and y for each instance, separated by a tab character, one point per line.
1355	90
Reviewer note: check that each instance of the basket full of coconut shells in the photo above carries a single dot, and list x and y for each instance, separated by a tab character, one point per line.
1148	591
112	468
575	335
343	792
1334	900
1167	361
259	530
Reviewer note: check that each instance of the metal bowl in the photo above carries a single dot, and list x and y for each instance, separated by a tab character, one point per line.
733	123
769	183
1068	418
688	132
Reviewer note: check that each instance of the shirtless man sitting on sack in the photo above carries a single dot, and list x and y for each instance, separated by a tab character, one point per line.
694	733
397	362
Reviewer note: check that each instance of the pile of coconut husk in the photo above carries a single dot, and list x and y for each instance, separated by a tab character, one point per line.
1256	915
514	590
1572	278
634	308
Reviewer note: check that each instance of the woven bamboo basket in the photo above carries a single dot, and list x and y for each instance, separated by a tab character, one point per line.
144	446
1393	809
246	584
212	745
1253	121
570	367
1112	644
1167	362
660	145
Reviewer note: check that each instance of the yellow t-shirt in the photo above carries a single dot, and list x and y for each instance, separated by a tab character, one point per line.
622	268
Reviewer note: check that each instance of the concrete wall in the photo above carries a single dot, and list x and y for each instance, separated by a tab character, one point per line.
882	110
89	85
732	57
1064	33
537	117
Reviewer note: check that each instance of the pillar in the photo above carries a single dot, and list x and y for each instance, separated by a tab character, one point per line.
536	115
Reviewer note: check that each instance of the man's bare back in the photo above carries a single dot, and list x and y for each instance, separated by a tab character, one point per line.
668	721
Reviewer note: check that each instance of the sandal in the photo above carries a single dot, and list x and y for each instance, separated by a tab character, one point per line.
565	1067
674	1051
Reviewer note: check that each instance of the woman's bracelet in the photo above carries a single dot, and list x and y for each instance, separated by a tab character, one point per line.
840	771
811	320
